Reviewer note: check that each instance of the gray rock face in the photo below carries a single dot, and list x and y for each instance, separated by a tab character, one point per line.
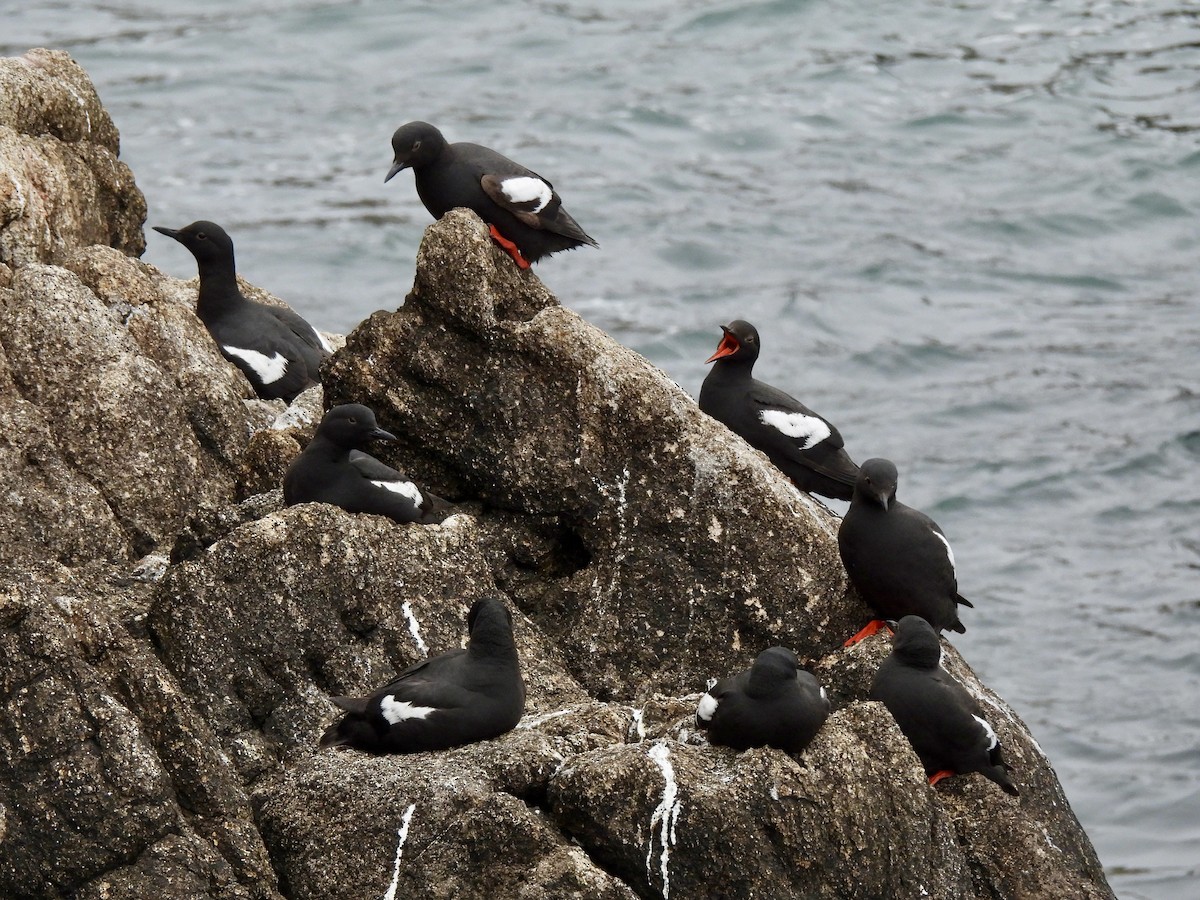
159	716
65	187
113	785
679	550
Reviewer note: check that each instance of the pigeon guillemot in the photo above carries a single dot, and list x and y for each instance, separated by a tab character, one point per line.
800	443
454	698
333	468
522	210
937	715
773	703
275	348
896	556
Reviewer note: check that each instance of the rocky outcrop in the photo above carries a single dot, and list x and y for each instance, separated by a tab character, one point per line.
61	184
169	635
673	548
114	785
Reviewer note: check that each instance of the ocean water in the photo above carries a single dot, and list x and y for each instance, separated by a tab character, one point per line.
967	230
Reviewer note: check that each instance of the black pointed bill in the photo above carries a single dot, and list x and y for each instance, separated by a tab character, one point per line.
379	434
396	167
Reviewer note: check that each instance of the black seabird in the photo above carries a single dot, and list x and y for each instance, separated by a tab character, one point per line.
937	715
774	703
522	209
454	698
897	557
334	468
801	444
275	348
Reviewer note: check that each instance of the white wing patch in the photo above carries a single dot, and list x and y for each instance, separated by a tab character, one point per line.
524	189
949	551
397	711
269	369
808	429
407	488
708	706
992	739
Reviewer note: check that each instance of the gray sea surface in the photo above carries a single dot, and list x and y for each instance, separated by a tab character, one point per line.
967	231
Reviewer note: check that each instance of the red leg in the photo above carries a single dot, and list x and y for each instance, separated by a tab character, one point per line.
872	627
509	247
939	775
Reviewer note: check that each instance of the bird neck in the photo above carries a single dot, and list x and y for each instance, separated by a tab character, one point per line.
923	658
920	651
218	288
763	684
493	640
735	369
324	449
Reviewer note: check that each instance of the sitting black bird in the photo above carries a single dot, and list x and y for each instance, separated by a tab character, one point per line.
800	443
522	209
274	347
454	698
937	715
334	468
773	703
897	557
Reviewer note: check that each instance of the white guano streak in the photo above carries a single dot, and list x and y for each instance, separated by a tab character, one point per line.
413	627
665	815
638	725
534	721
269	369
809	430
402	832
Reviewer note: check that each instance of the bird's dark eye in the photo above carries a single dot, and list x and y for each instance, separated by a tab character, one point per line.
416	146
352	420
201	236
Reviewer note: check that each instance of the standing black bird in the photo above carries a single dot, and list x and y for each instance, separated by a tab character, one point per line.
454	698
937	715
274	347
522	210
773	703
800	443
334	469
896	556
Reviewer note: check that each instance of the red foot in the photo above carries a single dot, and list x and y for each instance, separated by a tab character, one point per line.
509	247
872	627
939	775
